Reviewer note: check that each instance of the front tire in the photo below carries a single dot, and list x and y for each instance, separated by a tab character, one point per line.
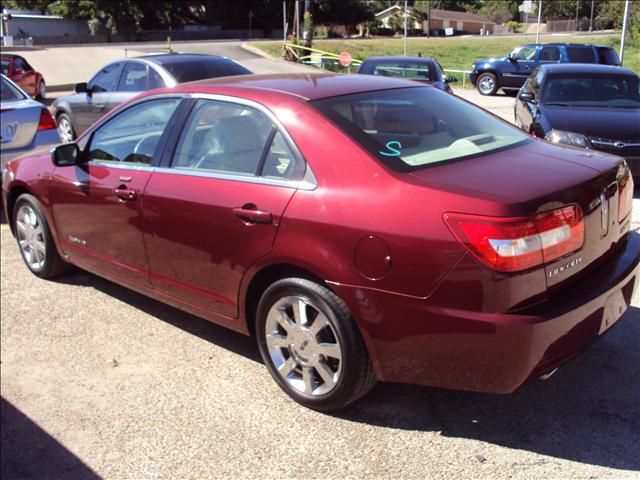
34	238
65	128
487	84
311	345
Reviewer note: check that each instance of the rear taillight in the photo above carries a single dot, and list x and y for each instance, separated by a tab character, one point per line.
46	120
625	196
514	244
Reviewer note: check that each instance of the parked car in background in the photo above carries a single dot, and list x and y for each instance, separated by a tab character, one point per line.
360	227
591	106
22	74
510	72
123	79
426	70
24	123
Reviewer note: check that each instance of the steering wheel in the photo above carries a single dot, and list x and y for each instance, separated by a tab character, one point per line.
146	145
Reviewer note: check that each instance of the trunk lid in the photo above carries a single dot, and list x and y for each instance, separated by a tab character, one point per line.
539	177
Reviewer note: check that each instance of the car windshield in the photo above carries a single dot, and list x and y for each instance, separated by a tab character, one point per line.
615	91
5	66
10	92
410	71
189	69
411	128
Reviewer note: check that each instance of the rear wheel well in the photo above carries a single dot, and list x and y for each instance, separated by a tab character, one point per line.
261	281
14	193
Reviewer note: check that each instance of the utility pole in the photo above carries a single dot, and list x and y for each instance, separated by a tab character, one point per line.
624	30
591	22
539	18
428	18
284	23
405	28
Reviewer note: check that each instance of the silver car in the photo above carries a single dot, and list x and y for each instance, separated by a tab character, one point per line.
24	123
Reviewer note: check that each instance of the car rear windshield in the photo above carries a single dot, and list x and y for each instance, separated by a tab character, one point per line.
412	128
614	91
9	92
581	55
188	70
410	71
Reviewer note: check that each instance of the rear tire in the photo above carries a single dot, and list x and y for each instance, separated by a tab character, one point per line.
42	91
487	84
311	345
35	241
65	128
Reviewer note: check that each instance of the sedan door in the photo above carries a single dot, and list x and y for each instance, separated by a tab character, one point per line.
96	203
216	208
88	107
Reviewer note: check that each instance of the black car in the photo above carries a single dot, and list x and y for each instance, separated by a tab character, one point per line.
123	79
422	69
591	106
510	72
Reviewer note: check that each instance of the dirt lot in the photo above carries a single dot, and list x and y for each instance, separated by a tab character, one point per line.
98	381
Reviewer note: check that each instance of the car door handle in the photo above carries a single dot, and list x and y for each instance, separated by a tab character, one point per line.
125	194
252	215
98	107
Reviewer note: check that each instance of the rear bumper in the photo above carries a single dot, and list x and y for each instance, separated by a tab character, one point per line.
41	138
411	341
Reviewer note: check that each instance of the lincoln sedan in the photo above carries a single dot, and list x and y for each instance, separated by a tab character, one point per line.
362	228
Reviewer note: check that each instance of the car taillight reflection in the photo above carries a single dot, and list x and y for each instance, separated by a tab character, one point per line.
514	244
626	197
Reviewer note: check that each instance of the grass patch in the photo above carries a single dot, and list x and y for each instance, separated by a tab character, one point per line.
457	53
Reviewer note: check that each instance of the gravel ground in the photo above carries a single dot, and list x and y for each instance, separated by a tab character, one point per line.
98	381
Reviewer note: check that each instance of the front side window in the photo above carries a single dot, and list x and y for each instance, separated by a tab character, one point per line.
592	91
524	53
234	139
105	80
133	135
133	78
411	128
5	66
420	72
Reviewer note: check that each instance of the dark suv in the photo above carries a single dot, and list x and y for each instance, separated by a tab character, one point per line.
510	72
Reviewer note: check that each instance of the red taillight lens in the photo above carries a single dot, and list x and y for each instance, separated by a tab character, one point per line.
625	196
514	244
46	120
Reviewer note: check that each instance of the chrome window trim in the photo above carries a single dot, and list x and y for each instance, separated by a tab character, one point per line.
304	184
121	165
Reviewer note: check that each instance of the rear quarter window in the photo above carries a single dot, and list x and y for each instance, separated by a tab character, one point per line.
608	56
581	55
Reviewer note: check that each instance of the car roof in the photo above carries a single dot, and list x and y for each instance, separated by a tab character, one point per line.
12	56
400	59
590	68
168	58
560	44
309	86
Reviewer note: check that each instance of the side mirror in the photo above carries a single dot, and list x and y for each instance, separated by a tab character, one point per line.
81	87
512	59
65	155
451	79
526	97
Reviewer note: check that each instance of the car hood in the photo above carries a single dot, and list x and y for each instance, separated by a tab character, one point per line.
611	123
483	61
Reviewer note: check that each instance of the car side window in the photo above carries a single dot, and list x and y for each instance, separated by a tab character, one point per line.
224	137
550	54
17	63
581	55
524	53
133	78
26	66
155	80
133	135
105	80
280	162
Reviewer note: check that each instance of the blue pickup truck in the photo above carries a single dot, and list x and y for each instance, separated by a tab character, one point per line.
510	72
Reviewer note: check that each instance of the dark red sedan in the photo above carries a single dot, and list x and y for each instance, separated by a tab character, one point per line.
18	69
362	228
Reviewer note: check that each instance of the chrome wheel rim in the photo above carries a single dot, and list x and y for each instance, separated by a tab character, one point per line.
303	346
31	238
65	130
486	84
42	90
